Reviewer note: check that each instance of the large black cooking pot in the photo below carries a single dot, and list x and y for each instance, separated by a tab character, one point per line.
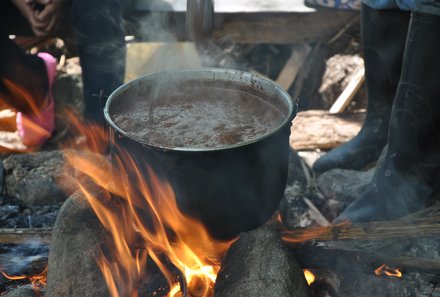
232	188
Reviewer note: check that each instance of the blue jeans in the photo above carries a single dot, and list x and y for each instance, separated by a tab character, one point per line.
422	6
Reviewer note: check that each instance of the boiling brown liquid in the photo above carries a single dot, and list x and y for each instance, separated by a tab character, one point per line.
218	118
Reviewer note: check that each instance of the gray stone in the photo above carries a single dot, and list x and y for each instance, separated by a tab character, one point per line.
301	185
25	291
341	187
39	178
258	264
77	239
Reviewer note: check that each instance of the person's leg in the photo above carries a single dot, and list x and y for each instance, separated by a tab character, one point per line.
383	39
99	29
402	183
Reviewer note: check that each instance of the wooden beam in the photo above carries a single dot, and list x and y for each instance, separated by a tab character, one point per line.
293	65
226	6
281	27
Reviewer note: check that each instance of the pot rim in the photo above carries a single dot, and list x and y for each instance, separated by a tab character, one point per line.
216	73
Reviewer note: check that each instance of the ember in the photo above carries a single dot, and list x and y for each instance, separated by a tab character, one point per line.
37	280
310	277
384	269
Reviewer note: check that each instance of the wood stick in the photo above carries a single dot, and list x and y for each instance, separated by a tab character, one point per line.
317	215
340	259
349	92
425	226
22	236
421	227
291	68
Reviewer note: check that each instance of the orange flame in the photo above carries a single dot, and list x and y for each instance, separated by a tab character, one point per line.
169	233
38	280
16	98
20	95
310	277
384	269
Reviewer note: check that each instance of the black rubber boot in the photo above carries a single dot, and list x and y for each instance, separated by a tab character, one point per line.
383	40
401	184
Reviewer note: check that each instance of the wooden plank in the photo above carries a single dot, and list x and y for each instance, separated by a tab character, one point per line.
349	92
226	6
281	27
293	64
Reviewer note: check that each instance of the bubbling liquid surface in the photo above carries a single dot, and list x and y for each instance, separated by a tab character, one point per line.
212	118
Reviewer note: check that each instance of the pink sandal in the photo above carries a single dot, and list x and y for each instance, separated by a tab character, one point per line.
35	130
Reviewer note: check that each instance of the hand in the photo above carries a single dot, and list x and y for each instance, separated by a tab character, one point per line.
43	21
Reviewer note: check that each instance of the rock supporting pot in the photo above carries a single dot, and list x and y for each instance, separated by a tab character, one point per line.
231	187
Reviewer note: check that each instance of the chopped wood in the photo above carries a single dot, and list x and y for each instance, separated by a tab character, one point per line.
318	129
293	64
25	235
349	92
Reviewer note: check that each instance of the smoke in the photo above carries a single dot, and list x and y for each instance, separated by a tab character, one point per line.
23	259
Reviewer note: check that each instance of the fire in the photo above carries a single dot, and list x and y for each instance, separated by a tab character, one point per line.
37	280
145	223
16	98
20	95
384	269
310	277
